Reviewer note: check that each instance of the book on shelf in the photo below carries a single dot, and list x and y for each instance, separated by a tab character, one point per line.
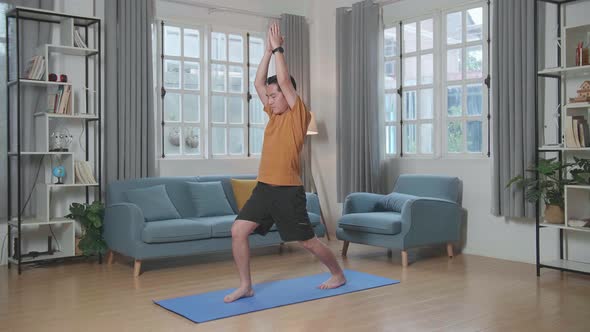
35	69
83	172
59	100
577	133
78	41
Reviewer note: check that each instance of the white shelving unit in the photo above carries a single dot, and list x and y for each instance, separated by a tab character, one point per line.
52	200
577	197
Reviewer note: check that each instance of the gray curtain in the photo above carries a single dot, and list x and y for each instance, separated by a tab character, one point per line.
129	108
513	103
357	56
296	32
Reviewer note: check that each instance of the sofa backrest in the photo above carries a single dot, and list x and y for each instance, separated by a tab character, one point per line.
177	189
425	185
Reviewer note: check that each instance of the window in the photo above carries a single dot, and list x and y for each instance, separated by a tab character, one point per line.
463	84
440	94
207	112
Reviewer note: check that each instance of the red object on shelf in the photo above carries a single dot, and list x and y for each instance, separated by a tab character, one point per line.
63	78
52	77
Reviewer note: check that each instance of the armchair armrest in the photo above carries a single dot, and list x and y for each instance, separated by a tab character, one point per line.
123	224
313	203
428	221
361	203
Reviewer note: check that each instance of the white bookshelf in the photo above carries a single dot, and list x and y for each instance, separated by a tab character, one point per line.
50	201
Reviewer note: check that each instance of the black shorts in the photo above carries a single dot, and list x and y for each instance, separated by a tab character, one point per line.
283	205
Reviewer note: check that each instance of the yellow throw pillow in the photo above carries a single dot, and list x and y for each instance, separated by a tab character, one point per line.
242	190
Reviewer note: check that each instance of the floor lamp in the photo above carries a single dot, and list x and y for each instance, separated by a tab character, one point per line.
312	129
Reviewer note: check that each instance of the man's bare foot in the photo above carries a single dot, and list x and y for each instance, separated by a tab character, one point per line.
238	294
335	281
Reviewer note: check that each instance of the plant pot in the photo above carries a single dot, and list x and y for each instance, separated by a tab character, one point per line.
554	214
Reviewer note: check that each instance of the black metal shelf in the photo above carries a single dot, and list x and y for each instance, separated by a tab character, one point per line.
14	20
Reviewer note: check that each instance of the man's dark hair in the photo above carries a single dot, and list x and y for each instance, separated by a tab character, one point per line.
273	80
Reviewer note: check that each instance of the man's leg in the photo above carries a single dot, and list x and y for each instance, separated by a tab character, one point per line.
240	231
325	255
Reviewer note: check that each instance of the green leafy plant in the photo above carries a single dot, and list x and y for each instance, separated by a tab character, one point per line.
581	171
90	217
548	187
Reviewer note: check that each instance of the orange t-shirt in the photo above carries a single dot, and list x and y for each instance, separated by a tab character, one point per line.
283	139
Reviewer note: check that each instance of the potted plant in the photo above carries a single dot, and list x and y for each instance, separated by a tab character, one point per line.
90	216
581	171
548	187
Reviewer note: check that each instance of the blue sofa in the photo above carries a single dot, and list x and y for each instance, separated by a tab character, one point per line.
127	232
423	210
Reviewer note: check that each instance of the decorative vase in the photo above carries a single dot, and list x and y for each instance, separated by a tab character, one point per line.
554	214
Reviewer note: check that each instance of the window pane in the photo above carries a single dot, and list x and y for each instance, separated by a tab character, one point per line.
426	103
252	77
218	109
410	138
192	140
390	139
171	41
390	107
410	71
191	43
191	76
191	106
236	79
257	115
427	69
218	137
474	136
474	62
236	48
236	141
218	46
256	137
454	137
474	99
390	75
426	35
474	24
454	67
454	28
426	138
409	37
409	102
172	140
172	74
454	97
390	42
256	50
172	107
218	78
235	110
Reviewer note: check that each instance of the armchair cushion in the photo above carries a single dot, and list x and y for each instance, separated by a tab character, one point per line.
388	223
394	201
153	202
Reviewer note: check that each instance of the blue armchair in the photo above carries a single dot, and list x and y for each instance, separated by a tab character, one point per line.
422	210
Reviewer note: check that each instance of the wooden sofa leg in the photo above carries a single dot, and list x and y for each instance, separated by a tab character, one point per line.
404	258
389	253
281	247
345	248
110	257
137	268
450	250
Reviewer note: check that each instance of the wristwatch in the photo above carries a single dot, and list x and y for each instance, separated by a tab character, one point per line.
278	49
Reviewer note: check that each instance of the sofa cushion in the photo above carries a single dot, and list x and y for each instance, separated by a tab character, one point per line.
220	225
175	230
209	199
373	222
394	202
153	202
242	190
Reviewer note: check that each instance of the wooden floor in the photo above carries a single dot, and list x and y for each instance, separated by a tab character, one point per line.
468	293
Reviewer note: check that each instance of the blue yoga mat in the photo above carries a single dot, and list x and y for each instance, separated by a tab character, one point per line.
210	306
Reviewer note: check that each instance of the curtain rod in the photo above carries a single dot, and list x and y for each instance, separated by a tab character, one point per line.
213	8
379	3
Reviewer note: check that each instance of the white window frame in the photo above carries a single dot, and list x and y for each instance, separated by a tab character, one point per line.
439	87
464	154
201	92
395	91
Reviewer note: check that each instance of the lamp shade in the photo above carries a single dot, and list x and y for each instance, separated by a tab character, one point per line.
312	129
